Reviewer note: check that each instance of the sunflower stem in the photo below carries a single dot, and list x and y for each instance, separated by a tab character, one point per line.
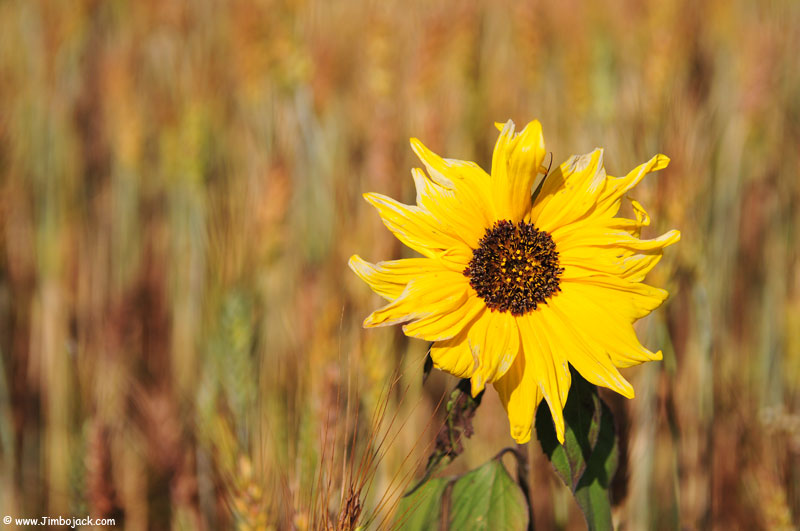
461	407
523	470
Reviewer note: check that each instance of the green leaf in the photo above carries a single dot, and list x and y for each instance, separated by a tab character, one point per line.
484	498
422	510
587	460
488	498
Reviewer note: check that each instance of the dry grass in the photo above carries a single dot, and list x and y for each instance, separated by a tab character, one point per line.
181	190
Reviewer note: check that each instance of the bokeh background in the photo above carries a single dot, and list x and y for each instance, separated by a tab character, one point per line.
180	337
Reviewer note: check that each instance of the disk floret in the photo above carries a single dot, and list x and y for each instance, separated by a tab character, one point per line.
514	268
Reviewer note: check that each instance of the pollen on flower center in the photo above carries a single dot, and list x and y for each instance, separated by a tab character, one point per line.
514	268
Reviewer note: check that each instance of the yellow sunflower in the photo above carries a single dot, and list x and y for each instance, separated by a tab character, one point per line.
512	289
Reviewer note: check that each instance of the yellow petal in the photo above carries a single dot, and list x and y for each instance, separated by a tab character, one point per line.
642	218
389	279
605	325
469	184
580	190
413	226
616	187
457	217
626	265
515	164
596	235
500	175
604	247
496	335
550	369
570	191
633	227
455	356
439	327
633	300
433	293
520	395
591	361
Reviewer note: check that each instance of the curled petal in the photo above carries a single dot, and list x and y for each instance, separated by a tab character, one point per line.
414	226
616	187
389	279
439	327
462	186
600	250
570	191
435	293
516	162
455	211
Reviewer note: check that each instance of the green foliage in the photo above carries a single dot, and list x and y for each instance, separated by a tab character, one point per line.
488	498
587	460
422	509
484	498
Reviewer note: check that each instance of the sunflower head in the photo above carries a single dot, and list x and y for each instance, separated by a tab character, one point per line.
512	289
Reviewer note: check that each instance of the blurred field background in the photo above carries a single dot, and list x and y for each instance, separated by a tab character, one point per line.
180	337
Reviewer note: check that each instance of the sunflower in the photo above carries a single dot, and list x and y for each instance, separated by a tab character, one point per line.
513	288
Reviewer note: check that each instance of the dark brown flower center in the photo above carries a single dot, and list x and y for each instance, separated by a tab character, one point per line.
514	268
